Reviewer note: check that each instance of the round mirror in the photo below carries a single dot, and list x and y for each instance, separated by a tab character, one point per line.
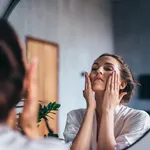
141	143
77	32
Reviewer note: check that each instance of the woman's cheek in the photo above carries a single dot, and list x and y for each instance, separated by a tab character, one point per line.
91	76
107	76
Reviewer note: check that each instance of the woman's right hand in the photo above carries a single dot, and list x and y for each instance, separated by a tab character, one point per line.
88	93
87	123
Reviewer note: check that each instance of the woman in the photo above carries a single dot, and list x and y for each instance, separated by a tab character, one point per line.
15	79
106	124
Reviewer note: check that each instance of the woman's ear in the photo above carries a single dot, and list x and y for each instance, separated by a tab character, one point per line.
123	85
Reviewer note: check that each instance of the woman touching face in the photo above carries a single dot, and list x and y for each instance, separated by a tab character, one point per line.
101	70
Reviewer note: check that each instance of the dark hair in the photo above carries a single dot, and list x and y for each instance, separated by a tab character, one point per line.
126	75
12	69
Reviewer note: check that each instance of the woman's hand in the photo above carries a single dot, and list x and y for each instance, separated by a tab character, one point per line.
87	123
112	97
88	93
28	119
106	138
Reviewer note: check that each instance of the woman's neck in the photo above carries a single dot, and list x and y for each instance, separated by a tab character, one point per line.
99	99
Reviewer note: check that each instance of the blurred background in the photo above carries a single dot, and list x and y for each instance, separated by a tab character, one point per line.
68	35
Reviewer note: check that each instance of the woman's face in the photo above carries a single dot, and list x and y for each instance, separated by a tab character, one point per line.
101	70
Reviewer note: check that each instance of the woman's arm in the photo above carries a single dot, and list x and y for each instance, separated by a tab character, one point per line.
83	139
106	139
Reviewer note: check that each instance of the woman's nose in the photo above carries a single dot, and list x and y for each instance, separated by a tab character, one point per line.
100	70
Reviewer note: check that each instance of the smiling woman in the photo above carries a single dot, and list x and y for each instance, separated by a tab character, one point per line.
106	123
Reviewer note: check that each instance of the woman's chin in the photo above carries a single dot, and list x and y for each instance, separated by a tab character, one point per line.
98	89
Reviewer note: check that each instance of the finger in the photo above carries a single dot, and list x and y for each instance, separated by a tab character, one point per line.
85	81
31	101
32	74
109	82
117	78
122	95
115	81
112	81
88	82
116	84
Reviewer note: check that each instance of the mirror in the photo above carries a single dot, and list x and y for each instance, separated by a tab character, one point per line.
141	143
83	30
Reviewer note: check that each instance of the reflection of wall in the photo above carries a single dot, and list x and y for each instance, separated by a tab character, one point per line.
132	38
83	30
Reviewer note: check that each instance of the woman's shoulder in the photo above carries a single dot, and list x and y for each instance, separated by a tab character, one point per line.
77	113
131	114
128	110
76	116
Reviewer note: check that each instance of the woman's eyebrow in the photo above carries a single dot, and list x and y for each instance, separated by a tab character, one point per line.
107	63
95	64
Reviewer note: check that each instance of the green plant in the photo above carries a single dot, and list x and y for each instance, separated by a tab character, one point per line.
44	113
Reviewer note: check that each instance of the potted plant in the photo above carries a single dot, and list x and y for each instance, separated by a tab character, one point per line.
44	113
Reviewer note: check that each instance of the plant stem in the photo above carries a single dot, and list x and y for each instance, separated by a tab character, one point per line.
47	125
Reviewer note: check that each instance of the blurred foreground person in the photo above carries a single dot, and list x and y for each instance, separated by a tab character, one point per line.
15	79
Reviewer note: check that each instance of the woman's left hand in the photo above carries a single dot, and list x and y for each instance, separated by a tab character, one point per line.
112	97
29	116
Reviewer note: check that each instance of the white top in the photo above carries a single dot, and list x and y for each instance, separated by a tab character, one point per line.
129	125
13	140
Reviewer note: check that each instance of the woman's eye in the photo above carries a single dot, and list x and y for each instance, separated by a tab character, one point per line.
108	68
94	69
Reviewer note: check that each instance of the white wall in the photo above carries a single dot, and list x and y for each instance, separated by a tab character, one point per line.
83	30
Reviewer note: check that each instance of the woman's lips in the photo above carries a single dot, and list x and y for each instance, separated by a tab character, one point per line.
98	78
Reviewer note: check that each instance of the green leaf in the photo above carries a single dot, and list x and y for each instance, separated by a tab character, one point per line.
49	106
40	106
45	110
53	104
56	106
52	134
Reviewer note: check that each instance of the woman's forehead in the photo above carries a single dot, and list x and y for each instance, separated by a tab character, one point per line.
107	60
